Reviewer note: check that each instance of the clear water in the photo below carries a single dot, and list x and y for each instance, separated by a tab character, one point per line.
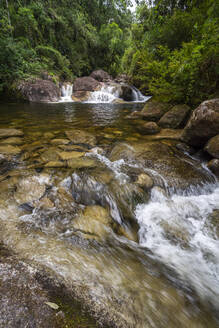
168	275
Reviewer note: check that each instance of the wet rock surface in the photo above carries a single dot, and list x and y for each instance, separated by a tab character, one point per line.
175	117
85	83
154	110
203	124
212	147
40	91
101	76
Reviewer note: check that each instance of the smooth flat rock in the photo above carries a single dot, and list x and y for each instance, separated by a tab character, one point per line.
60	141
55	164
12	141
81	137
172	134
66	155
4	133
79	163
9	150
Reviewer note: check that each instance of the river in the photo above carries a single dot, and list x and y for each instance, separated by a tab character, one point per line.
128	223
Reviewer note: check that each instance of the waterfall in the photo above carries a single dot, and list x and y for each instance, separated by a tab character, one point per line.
109	93
138	96
66	93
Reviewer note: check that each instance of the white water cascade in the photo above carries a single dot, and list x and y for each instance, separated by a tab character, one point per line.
109	93
138	96
180	231
66	93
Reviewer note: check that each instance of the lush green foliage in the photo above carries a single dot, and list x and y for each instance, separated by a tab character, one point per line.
173	53
66	38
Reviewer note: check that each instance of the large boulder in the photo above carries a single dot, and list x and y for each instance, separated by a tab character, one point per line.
154	110
126	92
40	91
100	75
86	83
212	146
203	124
149	128
213	165
175	117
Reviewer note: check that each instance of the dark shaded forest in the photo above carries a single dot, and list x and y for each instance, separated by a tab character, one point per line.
169	48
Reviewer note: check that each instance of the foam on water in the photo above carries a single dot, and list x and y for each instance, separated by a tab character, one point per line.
178	231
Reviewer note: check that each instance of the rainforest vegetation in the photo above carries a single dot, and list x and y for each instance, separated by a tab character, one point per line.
169	48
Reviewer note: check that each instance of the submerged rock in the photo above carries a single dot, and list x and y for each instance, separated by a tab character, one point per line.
167	163
80	163
81	137
145	181
66	155
5	133
30	188
149	128
94	222
12	141
154	110
212	146
9	150
175	117
203	124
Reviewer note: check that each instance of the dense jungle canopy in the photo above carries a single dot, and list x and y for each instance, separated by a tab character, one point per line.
169	48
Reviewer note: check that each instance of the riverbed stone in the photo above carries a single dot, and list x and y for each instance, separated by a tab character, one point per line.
178	169
80	163
154	110
212	147
55	164
95	222
203	124
31	188
145	181
5	133
81	137
12	141
213	165
9	150
67	155
59	141
50	155
149	128
175	117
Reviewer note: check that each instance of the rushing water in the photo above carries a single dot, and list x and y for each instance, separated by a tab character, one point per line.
135	257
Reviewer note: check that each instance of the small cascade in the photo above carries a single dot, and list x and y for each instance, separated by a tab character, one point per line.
138	96
107	94
181	232
66	93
